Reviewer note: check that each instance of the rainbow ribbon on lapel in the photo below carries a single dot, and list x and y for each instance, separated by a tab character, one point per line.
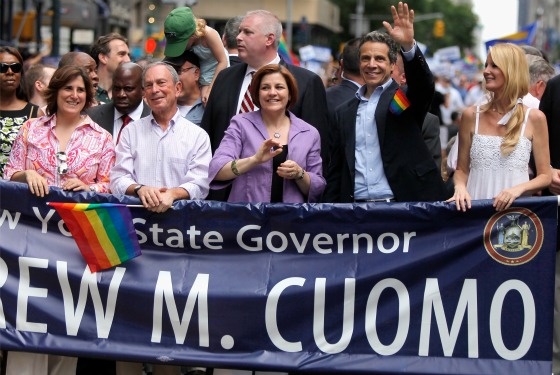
399	103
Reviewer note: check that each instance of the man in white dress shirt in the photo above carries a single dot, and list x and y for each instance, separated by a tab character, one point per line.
162	157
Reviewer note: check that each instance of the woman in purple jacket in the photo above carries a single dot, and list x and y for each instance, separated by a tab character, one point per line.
270	155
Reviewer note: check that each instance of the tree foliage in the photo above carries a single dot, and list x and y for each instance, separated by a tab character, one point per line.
460	21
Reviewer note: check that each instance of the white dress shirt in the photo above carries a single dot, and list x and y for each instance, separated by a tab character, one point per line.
177	157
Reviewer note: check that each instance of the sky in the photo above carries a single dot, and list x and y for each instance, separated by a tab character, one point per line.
497	18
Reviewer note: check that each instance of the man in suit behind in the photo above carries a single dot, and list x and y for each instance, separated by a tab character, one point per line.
127	105
351	79
380	154
229	39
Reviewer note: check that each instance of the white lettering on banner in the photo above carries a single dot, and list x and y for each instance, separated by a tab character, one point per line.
528	324
432	300
322	242
198	293
275	241
403	324
12	221
44	220
63	229
3	279
103	320
25	291
433	310
347	317
142	238
271	311
467	303
212	240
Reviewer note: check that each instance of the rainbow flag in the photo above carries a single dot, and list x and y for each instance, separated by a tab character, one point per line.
104	232
399	103
286	54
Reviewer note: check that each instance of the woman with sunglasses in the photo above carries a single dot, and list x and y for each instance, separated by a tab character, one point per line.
14	108
65	148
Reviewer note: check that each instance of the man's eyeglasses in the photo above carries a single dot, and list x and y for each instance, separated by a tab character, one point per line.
62	158
15	67
183	70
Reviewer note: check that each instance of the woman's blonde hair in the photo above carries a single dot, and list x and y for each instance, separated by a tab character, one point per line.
200	27
511	60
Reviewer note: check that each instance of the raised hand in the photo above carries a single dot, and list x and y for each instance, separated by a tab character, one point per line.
402	30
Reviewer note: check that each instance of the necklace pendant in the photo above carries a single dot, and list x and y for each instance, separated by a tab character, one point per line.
276	135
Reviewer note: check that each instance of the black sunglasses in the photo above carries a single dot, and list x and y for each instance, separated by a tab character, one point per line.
15	67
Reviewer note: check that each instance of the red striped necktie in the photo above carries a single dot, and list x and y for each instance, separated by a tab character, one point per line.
125	121
247	104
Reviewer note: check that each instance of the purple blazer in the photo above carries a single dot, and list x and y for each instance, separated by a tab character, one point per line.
242	139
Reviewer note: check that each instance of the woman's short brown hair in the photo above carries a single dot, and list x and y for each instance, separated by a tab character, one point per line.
270	69
60	78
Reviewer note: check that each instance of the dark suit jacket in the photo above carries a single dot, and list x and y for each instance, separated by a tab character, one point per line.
340	93
234	60
550	105
104	115
311	105
430	133
408	165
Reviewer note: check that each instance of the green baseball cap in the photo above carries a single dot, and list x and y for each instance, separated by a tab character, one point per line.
179	25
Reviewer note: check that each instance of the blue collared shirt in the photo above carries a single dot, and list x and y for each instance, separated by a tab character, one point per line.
370	181
196	112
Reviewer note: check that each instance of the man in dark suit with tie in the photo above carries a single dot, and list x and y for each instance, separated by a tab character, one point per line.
257	43
127	104
379	153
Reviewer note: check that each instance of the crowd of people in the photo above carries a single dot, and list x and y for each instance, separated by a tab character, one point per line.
230	120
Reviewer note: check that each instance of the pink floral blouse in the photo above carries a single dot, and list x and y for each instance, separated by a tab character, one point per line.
90	153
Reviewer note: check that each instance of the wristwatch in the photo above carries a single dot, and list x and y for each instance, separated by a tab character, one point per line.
93	188
136	188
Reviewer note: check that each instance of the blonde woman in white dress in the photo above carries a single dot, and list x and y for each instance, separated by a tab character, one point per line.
496	138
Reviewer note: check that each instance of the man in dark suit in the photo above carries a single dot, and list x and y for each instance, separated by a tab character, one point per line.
351	79
127	104
380	154
550	105
229	39
257	43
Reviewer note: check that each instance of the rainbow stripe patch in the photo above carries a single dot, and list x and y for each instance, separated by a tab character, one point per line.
399	103
104	232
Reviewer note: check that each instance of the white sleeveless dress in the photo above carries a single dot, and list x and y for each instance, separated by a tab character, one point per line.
491	172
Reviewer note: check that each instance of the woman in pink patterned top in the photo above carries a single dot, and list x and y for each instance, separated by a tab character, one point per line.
64	148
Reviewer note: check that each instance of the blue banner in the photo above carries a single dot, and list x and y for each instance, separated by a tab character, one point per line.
375	288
